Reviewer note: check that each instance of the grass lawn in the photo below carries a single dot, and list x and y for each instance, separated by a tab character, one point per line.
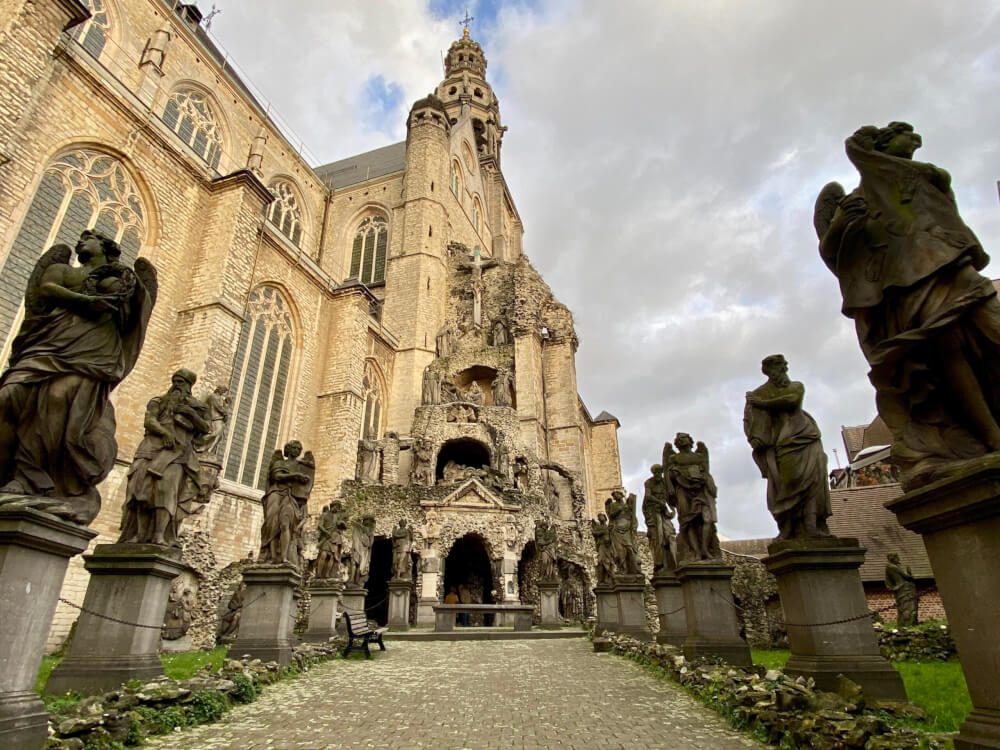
178	666
938	687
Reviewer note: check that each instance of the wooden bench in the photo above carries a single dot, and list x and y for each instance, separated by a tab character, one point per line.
444	614
358	630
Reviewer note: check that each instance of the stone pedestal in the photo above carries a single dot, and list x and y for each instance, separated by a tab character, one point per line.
130	583
827	616
607	608
353	601
710	613
323	611
630	592
548	594
425	611
959	519
265	623
670	605
176	645
34	551
399	604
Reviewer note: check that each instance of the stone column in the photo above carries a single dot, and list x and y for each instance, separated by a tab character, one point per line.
265	624
829	625
323	598
430	568
34	551
630	591
399	604
959	519
352	601
670	605
607	608
131	584
548	594
710	613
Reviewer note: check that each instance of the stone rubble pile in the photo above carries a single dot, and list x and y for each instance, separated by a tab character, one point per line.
783	710
130	713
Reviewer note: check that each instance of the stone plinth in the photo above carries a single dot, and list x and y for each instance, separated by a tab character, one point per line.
630	592
265	623
323	610
548	594
34	551
425	611
826	614
353	601
176	645
959	519
607	608
670	606
399	604
712	628
131	584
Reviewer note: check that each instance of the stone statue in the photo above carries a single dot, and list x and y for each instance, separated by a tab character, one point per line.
219	407
659	530
362	538
692	492
902	584
602	541
520	473
449	392
164	481
330	542
474	394
177	618
431	390
546	547
289	482
230	624
928	322
624	533
82	331
502	389
402	547
423	453
502	462
444	342
552	496
369	461
789	453
453	471
500	335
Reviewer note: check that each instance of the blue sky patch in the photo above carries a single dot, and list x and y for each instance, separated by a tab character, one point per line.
380	101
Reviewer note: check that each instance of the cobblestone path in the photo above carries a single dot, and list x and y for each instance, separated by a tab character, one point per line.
480	695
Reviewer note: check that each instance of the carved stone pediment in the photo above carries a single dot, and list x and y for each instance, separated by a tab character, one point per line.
471	495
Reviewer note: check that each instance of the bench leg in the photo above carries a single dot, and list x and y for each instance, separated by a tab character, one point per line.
348	649
368	654
380	644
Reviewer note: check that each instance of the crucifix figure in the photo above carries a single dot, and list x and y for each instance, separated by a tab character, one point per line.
476	283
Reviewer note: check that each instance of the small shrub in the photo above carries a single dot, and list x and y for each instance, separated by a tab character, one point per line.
99	739
207	706
245	690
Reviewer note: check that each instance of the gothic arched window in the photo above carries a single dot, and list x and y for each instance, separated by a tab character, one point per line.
371	393
456	180
189	114
92	34
477	217
284	213
258	386
368	250
81	189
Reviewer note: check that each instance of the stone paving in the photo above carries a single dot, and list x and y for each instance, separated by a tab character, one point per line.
485	695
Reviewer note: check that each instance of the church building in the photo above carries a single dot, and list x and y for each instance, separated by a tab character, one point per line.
379	309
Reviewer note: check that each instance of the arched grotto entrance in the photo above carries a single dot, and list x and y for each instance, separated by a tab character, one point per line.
457	455
379	573
469	573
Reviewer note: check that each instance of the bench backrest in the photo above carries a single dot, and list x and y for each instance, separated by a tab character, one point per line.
357	624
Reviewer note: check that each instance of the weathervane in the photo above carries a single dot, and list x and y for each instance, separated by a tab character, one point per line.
465	21
211	14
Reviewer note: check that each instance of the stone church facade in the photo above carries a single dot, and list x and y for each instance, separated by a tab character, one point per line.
379	309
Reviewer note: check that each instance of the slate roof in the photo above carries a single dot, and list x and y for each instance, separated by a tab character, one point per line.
606	416
750	547
865	436
367	166
860	512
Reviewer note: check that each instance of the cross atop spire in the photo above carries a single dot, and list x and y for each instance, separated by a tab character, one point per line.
466	21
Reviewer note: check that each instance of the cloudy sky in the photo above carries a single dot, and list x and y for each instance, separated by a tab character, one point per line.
665	157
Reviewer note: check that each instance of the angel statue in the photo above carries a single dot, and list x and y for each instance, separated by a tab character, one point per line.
692	492
659	530
602	542
289	482
624	533
83	328
928	322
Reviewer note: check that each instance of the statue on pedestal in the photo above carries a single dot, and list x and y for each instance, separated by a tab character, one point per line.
362	538
164	481
902	584
503	389
402	547
81	335
546	547
431	388
602	541
500	335
789	453
624	533
691	491
928	322
659	530
369	461
330	542
289	482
